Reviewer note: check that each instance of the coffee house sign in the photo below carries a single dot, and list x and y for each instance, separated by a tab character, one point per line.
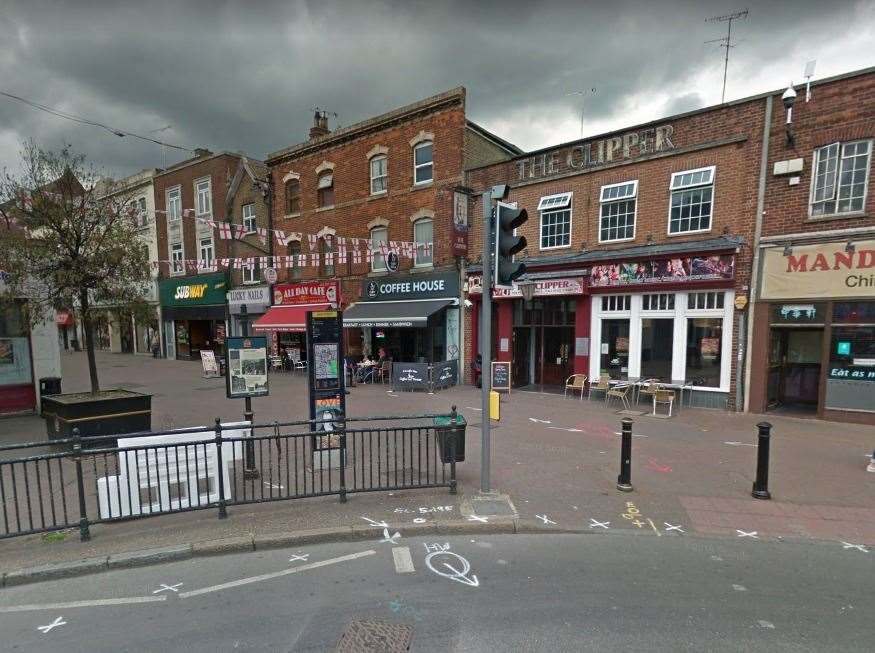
596	153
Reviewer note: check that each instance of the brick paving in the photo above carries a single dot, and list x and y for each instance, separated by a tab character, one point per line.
563	466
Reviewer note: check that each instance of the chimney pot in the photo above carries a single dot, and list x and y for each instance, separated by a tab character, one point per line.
320	124
201	152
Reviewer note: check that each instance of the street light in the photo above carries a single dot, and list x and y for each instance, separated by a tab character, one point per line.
527	288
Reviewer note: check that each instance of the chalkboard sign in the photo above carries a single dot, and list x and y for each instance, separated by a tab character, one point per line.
501	375
410	376
444	374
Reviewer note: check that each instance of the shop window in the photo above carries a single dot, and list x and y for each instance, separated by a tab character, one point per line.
423	234
657	302
174	204
692	193
853	346
176	259
325	189
614	359
423	163
853	312
616	303
249	218
704	300
379	235
379	174
618	207
326	258
657	344
294	250
555	221
293	196
841	173
704	349
203	197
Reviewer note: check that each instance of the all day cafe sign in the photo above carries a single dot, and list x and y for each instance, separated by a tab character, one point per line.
820	271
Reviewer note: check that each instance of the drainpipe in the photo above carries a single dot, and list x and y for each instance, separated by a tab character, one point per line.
755	265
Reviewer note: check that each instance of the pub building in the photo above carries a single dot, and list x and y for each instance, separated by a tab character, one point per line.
285	322
413	317
193	311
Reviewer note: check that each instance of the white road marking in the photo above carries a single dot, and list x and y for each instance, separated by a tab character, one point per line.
479	410
276	574
562	428
390	539
378	524
419	520
858	547
303	557
716	558
653	526
766	624
82	604
273	486
752	534
594	523
539	421
545	519
458	575
166	588
403	560
739	444
634	435
57	622
739	588
669	527
478	518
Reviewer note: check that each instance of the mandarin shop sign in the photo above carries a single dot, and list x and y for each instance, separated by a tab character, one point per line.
543	288
596	153
307	292
820	271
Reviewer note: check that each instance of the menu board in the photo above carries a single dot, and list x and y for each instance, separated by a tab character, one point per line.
410	376
500	375
208	360
444	374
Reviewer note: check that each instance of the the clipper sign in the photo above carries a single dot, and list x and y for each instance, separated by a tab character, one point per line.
194	291
420	286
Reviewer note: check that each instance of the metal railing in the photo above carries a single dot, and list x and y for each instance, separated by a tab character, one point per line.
95	480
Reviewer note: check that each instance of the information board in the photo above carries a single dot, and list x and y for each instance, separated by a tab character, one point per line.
247	367
501	375
326	387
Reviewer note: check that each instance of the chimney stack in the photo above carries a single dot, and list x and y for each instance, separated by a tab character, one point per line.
320	124
201	152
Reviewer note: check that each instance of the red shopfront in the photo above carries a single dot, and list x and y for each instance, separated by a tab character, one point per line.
546	337
285	322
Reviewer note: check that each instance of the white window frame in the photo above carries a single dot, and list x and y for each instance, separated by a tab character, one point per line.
173	199
837	175
417	166
416	262
549	205
685	187
174	259
209	249
680	314
250	222
385	176
253	273
320	186
376	251
603	202
203	198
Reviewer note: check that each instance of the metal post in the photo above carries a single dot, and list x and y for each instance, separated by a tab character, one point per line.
486	342
84	532
624	480
761	485
249	469
220	471
453	433
342	463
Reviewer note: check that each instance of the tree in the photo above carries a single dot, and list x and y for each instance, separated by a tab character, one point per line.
68	237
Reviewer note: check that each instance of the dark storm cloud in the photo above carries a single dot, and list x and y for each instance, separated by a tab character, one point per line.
245	76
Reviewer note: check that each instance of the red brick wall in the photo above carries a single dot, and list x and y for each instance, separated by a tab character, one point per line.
251	245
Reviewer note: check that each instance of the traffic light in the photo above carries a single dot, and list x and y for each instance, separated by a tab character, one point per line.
507	244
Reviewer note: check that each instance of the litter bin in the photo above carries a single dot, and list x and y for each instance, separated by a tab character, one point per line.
443	421
49	385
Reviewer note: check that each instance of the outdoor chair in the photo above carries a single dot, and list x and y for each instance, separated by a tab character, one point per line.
663	396
647	387
301	365
384	372
620	392
276	363
575	382
603	385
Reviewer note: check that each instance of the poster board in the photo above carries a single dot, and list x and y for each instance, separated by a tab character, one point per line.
246	374
500	375
210	365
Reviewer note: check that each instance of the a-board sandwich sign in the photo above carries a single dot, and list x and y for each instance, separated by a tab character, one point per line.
501	375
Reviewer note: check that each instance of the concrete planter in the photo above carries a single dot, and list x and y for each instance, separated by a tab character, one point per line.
110	412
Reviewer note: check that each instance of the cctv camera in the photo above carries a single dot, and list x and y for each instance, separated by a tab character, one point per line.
789	97
468	303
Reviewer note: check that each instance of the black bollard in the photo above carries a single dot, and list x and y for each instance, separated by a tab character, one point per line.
624	480
761	485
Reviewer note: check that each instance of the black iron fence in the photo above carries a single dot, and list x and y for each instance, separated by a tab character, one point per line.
76	482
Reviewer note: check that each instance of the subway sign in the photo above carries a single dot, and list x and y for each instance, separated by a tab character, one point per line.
193	291
202	290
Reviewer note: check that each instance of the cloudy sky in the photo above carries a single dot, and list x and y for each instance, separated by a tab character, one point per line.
246	75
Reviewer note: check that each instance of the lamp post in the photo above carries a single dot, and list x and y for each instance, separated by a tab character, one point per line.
249	469
527	288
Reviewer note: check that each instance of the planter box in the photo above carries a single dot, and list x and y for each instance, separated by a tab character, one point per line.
110	412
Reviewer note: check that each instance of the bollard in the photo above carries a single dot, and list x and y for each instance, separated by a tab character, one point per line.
249	469
223	511
761	485
84	530
624	480
453	434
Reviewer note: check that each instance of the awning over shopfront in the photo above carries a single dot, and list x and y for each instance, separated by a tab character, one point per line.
287	318
393	314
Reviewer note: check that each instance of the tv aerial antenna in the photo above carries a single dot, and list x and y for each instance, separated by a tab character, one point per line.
582	94
808	74
726	41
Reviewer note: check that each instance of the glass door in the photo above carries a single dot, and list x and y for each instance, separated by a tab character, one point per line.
521	369
614	348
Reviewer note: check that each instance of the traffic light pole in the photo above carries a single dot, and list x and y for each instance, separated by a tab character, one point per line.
486	342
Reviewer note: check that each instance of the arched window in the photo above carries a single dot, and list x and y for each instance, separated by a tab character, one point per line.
378	235
325	189
326	262
379	174
293	196
423	164
423	237
293	250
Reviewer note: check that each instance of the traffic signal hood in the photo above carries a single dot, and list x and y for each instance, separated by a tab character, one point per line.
507	244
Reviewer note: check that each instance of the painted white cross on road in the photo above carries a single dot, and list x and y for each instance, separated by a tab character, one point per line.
166	588
304	557
594	523
391	539
752	534
858	547
478	518
669	527
545	519
57	622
